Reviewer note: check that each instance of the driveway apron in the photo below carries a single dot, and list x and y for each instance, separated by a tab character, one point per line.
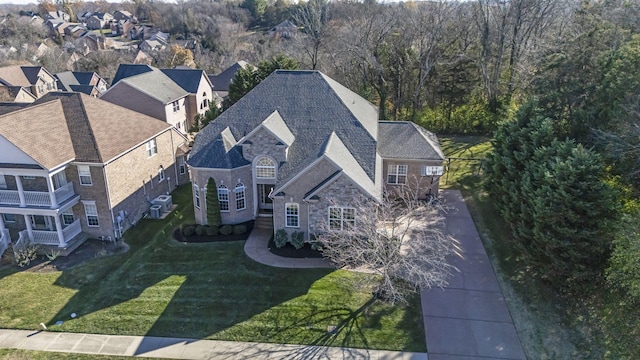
468	319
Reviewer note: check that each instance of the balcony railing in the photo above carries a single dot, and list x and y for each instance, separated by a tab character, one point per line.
36	198
5	240
46	237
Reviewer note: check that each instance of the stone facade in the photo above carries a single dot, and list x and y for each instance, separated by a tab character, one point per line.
228	178
263	142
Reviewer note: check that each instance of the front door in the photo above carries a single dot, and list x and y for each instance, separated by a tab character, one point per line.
39	222
264	200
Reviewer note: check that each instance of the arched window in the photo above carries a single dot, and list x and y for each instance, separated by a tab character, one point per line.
223	198
265	168
239	191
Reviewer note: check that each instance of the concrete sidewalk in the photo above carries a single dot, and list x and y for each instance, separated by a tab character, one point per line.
176	348
469	318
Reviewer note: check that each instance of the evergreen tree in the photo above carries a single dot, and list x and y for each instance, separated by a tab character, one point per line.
570	212
213	204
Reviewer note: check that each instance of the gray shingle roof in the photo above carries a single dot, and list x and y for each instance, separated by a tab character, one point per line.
128	70
221	81
406	140
312	108
157	85
188	79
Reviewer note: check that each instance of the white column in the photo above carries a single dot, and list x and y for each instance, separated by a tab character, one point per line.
27	220
1	224
23	203
61	240
52	194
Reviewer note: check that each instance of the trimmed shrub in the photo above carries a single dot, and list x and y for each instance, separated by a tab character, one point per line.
239	229
280	239
188	230
201	230
212	230
297	239
226	229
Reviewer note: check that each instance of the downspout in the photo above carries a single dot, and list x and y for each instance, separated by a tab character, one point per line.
106	184
175	166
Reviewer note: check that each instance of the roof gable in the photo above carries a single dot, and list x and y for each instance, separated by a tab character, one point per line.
41	132
276	126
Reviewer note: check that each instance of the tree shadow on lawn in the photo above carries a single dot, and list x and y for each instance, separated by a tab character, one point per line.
188	290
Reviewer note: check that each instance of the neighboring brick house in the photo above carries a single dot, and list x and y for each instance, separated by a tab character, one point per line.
90	170
148	90
301	146
86	82
37	79
98	20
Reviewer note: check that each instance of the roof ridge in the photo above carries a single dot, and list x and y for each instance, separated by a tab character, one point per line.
88	123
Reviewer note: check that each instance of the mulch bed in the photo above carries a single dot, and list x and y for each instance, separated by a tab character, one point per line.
89	250
195	238
291	252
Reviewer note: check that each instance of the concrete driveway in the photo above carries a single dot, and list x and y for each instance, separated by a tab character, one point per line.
468	319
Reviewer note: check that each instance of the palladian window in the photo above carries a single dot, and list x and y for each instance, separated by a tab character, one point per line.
265	168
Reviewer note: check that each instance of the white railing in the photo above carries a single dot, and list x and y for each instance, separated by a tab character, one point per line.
72	230
64	192
22	243
9	197
47	237
36	198
4	240
43	237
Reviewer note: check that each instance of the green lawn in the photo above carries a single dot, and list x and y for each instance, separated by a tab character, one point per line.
463	169
208	291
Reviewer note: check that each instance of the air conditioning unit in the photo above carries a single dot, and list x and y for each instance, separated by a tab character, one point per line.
156	211
164	201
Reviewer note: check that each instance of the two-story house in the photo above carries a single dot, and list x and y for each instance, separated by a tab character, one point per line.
300	147
73	166
197	84
37	79
86	82
148	90
98	20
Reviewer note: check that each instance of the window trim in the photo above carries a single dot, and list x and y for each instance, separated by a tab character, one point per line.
160	174
152	148
438	172
288	215
4	218
223	198
396	174
182	165
68	212
176	106
261	168
240	194
341	219
84	171
196	195
91	205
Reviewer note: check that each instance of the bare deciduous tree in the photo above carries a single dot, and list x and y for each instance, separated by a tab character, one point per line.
400	239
